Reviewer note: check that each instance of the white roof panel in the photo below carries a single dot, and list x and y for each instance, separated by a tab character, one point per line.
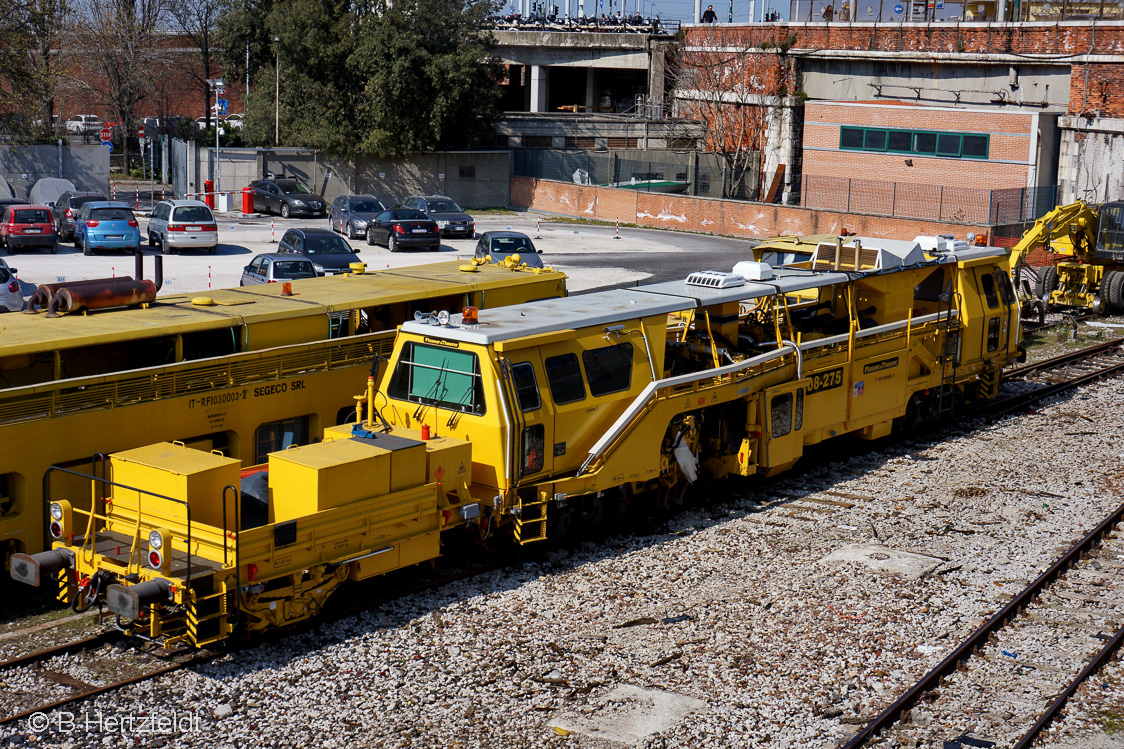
786	280
549	315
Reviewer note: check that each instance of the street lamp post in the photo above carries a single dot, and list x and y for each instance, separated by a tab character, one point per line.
219	88
277	91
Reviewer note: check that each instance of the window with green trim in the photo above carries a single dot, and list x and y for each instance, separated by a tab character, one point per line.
920	142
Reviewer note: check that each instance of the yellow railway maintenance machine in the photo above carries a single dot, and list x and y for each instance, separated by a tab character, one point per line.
247	371
528	417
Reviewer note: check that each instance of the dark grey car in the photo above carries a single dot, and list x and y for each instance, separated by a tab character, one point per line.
327	250
66	208
502	244
350	214
286	196
450	218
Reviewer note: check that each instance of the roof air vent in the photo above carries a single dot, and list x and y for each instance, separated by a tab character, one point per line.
752	271
715	279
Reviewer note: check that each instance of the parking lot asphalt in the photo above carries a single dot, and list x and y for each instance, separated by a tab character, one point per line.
591	255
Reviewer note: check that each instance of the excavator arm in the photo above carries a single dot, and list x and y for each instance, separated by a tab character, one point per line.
1069	230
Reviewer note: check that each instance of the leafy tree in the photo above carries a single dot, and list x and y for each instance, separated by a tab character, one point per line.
431	80
28	76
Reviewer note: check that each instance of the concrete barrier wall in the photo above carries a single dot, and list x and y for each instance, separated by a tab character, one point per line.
476	179
86	166
713	216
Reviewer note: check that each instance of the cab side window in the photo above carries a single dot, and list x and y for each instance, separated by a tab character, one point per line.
565	379
608	368
526	388
780	415
988	282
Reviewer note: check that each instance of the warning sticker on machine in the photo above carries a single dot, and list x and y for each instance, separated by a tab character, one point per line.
860	388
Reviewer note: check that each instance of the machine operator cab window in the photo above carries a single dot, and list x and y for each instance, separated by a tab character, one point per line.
1111	240
439	376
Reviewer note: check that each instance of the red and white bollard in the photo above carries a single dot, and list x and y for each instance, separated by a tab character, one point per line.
272	232
618	234
208	276
163	194
138	198
115	192
113	271
538	228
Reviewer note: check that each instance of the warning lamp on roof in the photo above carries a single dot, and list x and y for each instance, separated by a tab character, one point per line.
470	316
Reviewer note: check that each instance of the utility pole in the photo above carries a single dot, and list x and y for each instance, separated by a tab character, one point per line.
277	92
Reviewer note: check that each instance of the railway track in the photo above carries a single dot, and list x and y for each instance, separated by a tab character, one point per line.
1058	374
1039	648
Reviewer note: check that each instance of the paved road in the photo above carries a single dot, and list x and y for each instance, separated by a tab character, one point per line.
590	255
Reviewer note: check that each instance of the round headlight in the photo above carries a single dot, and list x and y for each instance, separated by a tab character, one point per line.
56	511
155	540
443	318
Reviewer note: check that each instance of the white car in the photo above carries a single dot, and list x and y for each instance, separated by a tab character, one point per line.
177	225
83	124
11	296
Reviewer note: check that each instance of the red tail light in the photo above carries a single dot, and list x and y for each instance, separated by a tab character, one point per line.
398	229
173	227
271	281
14	286
133	222
154	558
92	223
210	227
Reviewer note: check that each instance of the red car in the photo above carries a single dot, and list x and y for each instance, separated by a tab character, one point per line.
28	226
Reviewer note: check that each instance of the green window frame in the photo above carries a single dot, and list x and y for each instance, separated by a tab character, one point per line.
942	144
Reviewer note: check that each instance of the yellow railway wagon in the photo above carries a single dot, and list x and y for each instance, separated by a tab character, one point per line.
531	418
245	371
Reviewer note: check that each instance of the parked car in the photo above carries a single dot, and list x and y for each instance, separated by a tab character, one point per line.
349	214
502	244
286	196
177	225
83	124
11	296
276	266
234	122
66	207
5	202
404	228
329	252
106	225
450	218
28	226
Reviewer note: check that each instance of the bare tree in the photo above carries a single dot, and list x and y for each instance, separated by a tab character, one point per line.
117	50
198	20
732	87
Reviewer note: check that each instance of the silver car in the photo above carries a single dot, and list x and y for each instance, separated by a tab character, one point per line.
183	224
350	214
274	267
11	296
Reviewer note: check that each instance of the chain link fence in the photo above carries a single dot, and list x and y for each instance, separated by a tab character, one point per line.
674	172
928	202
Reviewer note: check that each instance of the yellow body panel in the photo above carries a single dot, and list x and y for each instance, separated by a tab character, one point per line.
181	473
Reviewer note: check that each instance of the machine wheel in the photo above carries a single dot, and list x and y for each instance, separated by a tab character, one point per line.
1108	280
1115	296
1046	282
285	211
392	243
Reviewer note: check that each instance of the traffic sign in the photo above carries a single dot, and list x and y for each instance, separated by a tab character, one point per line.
898	8
108	145
140	131
221	104
106	133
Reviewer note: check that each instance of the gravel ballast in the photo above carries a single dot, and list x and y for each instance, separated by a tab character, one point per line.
767	618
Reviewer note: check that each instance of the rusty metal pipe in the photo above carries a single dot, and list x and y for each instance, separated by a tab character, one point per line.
117	294
43	293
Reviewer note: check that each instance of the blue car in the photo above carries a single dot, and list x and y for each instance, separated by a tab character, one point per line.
106	225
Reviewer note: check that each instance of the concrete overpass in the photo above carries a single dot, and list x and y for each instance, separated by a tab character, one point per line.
552	71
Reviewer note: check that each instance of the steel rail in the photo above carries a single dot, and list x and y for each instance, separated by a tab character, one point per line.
977	639
101	638
1063	359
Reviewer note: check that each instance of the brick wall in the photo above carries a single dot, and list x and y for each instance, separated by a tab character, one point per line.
711	216
1103	94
